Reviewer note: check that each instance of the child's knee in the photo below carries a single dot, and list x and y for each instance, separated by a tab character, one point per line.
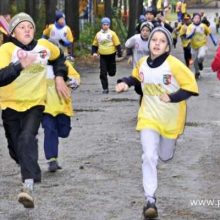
112	73
64	132
148	158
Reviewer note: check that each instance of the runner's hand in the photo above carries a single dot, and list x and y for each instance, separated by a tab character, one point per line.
26	59
121	87
164	98
61	87
95	55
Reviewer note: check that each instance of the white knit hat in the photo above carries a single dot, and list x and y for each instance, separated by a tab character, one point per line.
166	32
17	19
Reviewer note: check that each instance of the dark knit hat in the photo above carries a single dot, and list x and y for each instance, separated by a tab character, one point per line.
59	14
151	10
17	19
167	34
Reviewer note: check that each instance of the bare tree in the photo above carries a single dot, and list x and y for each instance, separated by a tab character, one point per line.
32	8
132	17
140	8
4	9
115	3
72	18
108	8
154	3
50	8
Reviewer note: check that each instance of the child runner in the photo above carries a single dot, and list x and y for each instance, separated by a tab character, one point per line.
56	120
137	47
217	22
106	43
175	33
140	21
156	19
138	43
22	101
59	33
198	33
186	42
166	83
179	10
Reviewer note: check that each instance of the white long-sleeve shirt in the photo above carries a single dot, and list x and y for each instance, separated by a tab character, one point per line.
139	47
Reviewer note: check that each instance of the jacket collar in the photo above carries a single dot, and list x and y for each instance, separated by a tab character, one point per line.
28	47
158	61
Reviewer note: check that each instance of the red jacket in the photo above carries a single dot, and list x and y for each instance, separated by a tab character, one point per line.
215	65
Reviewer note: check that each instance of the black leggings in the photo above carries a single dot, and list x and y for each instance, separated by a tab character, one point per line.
107	67
187	54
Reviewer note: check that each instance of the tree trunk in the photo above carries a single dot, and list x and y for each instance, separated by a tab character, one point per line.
4	7
32	8
154	3
120	9
132	18
50	8
72	19
108	8
115	3
140	8
72	16
125	13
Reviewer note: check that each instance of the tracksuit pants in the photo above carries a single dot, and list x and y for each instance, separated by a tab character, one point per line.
21	129
187	54
107	67
154	146
54	127
198	56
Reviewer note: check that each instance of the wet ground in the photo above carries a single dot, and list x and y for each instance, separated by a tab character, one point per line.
101	176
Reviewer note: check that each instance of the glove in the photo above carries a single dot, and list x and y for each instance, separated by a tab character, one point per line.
72	83
62	42
119	54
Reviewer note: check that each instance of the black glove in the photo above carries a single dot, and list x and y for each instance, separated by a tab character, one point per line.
119	54
62	42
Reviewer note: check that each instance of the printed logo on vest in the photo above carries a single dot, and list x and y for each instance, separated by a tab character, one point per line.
167	79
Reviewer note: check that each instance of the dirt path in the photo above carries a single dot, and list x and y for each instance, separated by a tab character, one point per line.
101	176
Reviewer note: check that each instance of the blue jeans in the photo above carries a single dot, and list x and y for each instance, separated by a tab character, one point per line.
54	127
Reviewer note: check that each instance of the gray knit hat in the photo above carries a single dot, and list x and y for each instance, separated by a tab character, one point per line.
147	24
17	19
166	32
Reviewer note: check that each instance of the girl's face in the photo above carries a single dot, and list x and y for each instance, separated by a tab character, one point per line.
105	27
24	32
196	19
145	32
158	44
